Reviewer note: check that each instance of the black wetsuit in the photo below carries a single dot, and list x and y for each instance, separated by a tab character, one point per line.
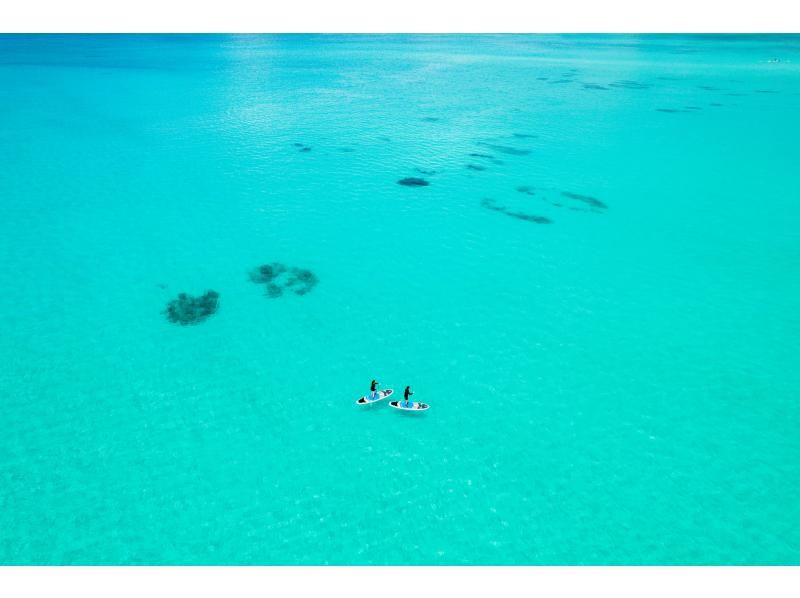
373	386
407	393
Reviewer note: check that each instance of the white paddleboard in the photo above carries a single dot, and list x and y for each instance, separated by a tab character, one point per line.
412	405
382	394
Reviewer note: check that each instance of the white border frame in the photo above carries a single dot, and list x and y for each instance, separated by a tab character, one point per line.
397	16
401	582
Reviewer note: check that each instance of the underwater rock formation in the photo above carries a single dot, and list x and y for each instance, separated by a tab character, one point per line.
300	281
267	272
504	149
528	217
413	181
186	310
489	157
592	202
566	199
273	290
627	84
279	278
491	204
527	190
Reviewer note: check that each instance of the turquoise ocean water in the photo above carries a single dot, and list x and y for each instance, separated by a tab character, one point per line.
601	306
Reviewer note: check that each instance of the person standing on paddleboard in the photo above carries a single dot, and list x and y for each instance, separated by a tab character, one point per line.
373	390
407	393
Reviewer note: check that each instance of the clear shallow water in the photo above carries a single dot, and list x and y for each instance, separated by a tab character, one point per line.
616	386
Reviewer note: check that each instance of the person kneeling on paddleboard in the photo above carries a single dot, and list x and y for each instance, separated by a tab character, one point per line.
407	394
373	390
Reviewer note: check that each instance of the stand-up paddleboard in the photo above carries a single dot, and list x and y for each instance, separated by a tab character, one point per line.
410	406
382	394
